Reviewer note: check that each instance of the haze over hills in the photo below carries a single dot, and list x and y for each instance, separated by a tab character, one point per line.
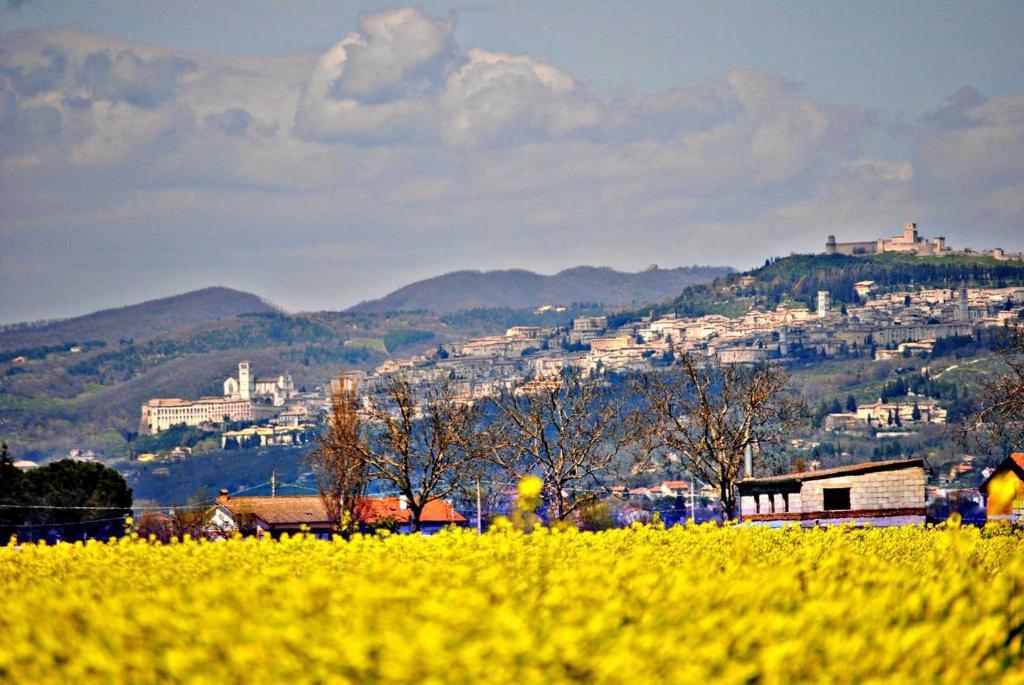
138	321
521	289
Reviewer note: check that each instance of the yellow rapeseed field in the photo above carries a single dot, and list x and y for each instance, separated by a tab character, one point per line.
683	605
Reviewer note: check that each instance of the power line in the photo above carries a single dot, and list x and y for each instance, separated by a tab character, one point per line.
56	507
63	525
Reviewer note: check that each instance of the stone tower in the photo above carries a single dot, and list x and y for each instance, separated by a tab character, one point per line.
963	311
245	381
824	303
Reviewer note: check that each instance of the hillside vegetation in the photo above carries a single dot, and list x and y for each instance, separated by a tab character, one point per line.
798	278
519	289
57	400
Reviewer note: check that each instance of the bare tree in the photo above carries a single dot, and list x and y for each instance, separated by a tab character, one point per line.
997	425
419	439
339	462
709	413
568	429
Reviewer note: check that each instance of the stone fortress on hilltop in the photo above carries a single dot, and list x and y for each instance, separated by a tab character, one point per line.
909	242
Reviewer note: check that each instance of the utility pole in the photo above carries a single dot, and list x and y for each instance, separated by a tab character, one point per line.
273	483
479	509
693	510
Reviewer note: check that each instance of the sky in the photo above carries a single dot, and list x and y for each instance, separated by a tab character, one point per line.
322	153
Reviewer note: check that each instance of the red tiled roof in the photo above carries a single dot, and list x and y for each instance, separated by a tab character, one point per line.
310	510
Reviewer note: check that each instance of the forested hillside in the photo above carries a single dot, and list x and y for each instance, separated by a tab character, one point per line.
799	278
54	399
140	321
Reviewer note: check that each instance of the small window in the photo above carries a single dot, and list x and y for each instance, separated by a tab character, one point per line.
837	498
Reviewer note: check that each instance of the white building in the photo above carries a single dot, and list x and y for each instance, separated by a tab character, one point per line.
245	399
161	414
824	302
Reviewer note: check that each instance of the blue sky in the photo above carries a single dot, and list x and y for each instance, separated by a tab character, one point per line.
320	153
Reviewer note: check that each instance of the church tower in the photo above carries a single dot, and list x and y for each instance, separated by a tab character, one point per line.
245	382
963	311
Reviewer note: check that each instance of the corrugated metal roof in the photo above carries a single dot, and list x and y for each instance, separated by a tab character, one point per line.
866	467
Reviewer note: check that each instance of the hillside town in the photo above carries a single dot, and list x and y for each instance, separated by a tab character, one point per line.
882	326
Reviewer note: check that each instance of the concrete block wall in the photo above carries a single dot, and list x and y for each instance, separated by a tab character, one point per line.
747	505
898	489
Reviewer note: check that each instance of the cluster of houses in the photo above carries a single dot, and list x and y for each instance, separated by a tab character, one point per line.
884	325
279	413
887	416
291	514
879	493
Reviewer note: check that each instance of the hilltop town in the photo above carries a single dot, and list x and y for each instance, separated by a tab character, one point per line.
881	324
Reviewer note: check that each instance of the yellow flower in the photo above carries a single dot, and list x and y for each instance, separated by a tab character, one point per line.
530	487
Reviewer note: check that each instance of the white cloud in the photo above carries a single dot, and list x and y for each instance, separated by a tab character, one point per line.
419	155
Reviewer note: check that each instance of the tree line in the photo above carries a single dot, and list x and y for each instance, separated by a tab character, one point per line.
64	499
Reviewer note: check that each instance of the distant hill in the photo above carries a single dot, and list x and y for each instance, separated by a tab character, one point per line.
55	400
140	321
519	289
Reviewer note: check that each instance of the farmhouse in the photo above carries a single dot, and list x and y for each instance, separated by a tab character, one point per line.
881	493
276	515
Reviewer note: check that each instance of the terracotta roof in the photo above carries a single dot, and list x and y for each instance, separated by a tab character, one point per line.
310	510
866	467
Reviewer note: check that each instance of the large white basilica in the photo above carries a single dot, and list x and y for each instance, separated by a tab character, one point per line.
245	399
273	391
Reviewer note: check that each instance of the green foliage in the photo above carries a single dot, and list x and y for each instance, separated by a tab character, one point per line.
597	516
401	337
43	351
78	499
800	277
175	436
174	483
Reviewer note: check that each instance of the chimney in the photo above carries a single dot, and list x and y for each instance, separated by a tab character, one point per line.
223	493
403	503
748	462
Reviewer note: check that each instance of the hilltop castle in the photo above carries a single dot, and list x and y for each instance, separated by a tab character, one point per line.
909	243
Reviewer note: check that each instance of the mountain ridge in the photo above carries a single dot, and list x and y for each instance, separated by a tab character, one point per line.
521	288
141	320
